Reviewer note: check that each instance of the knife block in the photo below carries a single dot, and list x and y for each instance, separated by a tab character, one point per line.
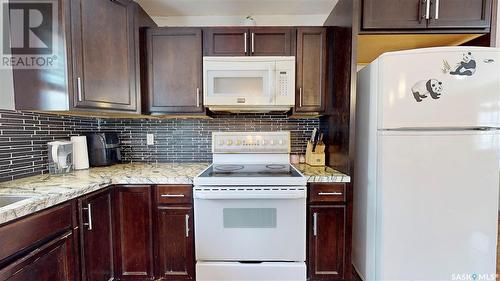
316	157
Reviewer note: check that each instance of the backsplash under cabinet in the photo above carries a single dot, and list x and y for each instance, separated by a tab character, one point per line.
24	135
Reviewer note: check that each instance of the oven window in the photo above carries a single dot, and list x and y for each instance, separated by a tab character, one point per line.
249	217
252	86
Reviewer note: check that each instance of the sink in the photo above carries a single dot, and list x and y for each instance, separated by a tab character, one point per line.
6	200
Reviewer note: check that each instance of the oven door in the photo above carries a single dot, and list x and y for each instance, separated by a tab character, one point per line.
235	224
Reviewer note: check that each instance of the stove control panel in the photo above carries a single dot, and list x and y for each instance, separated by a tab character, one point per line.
251	142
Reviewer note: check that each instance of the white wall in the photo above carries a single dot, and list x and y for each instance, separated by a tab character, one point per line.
498	26
6	89
262	20
6	83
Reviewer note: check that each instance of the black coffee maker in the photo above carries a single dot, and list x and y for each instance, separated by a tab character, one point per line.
104	149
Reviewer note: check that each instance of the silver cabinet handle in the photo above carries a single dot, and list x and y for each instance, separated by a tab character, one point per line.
315	224
79	88
172	195
437	10
300	97
197	97
245	42
187	225
89	214
253	42
329	193
427	9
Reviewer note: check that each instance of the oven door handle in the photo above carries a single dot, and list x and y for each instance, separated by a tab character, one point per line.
210	195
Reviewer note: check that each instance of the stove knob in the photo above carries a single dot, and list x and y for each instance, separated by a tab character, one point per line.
281	142
272	142
229	142
264	142
238	142
221	142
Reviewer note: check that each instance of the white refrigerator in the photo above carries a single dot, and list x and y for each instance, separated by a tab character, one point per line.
426	179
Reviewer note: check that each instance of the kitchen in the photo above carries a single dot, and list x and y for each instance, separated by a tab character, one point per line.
217	141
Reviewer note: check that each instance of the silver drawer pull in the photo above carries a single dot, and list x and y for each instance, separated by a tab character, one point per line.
187	225
315	224
172	195
89	214
329	193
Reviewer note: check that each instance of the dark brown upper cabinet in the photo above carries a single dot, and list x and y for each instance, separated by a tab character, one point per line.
97	65
133	232
256	41
226	41
427	15
390	14
460	14
174	71
311	70
96	236
104	54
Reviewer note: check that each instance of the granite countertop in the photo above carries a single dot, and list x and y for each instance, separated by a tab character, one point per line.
50	190
322	174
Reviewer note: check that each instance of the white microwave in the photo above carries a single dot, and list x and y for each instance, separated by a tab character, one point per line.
249	84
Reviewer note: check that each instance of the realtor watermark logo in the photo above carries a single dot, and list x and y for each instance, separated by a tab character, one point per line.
473	277
29	34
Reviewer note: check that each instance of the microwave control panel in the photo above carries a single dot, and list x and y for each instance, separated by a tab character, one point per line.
283	83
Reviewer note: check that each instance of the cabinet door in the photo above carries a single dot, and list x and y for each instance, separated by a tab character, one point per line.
311	69
96	220
175	70
226	41
175	243
104	50
390	14
133	232
460	14
271	41
327	242
53	261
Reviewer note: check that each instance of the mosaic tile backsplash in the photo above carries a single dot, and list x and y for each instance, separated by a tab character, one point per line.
23	137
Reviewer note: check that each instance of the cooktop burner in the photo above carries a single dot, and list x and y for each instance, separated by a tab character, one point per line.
250	170
276	166
228	168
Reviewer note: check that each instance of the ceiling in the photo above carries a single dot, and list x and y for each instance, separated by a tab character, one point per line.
175	8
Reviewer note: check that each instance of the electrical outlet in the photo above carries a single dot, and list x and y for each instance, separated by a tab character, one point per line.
150	139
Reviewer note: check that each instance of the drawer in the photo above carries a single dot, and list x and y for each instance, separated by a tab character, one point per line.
174	194
26	232
320	192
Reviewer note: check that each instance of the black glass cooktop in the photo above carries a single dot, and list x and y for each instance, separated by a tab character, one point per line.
250	170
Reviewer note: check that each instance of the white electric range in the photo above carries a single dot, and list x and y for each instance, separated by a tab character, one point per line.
250	210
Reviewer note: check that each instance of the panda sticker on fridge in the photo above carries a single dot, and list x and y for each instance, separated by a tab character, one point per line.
433	87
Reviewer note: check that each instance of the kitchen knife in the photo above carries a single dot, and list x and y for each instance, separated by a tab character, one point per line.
313	135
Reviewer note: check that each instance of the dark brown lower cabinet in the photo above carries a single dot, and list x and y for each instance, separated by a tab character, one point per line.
96	236
329	232
174	233
133	232
175	249
327	242
54	261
